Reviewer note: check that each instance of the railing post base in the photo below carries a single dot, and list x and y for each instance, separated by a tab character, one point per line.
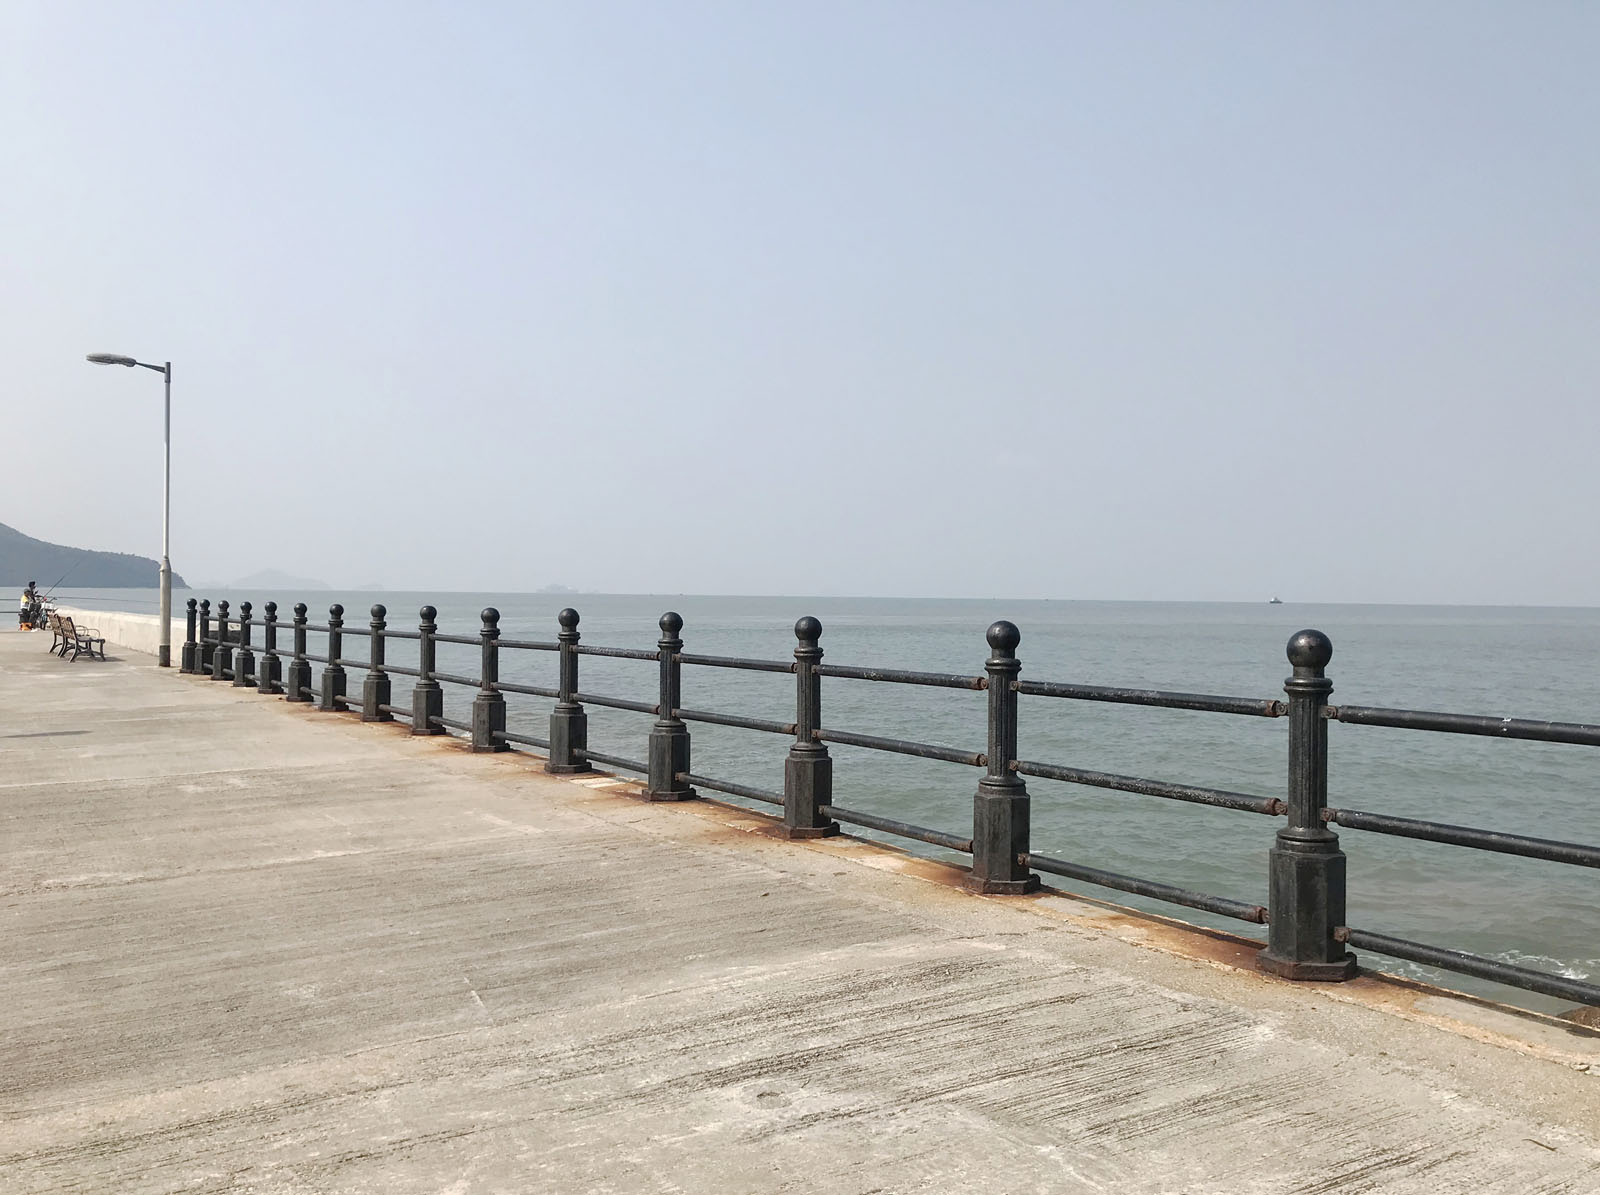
1306	880
332	686
375	693
668	759
189	658
297	682
985	887
1000	824
427	703
269	672
569	734
807	786
488	716
244	669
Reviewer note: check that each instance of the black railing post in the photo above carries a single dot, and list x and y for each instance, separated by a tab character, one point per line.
569	721
669	737
427	697
1306	873
271	668
191	647
1000	810
244	660
297	686
808	771
222	658
489	706
207	646
333	671
375	689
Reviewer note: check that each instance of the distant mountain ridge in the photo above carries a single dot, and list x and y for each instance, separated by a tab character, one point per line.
24	559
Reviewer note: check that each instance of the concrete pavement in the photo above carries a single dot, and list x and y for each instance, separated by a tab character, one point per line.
253	948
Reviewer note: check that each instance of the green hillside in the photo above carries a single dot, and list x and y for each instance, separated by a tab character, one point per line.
24	559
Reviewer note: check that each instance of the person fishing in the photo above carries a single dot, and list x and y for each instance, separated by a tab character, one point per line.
29	617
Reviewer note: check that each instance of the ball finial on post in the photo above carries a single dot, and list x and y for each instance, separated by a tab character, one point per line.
568	619
1004	637
1310	650
808	629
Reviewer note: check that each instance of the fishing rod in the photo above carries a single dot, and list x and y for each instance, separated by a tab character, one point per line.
70	570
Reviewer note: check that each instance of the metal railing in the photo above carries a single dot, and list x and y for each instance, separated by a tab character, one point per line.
1307	934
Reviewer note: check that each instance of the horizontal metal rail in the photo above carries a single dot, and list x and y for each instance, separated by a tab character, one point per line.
1526	978
901	747
616	703
353	629
736	720
1216	797
451	678
619	653
899	676
1483	840
400	670
309	656
530	645
365	665
1581	733
1208	702
465	727
737	662
399	711
616	761
526	739
311	626
345	700
1237	909
398	634
728	786
464	640
901	829
505	686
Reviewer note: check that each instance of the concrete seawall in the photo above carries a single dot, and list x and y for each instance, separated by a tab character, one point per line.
254	947
132	632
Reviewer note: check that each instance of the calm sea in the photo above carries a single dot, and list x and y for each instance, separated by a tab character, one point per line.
1522	661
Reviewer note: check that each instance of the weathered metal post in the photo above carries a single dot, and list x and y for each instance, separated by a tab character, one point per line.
207	647
808	771
569	721
427	696
375	689
489	706
669	737
222	658
333	672
297	687
1000	810
244	660
271	669
1306	873
191	648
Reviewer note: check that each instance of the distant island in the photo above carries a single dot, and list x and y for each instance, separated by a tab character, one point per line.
24	559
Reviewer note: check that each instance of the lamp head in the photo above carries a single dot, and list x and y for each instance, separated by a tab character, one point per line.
112	359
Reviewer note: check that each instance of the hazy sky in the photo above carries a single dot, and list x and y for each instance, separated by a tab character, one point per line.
1182	301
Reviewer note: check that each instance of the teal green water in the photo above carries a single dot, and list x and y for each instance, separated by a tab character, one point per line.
1526	662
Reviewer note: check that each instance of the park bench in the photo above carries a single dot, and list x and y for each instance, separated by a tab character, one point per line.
57	637
80	640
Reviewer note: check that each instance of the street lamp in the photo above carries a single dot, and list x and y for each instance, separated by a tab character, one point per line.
164	652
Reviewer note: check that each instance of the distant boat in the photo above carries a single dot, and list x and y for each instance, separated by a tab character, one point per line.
1277	601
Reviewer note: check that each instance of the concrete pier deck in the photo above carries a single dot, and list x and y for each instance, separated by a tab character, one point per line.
253	948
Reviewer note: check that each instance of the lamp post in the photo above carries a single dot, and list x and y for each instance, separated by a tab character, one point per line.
164	652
